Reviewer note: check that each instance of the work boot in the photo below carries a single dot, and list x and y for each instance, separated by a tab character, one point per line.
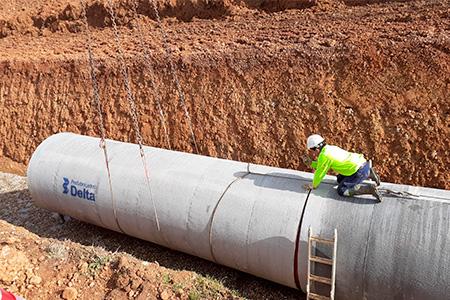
373	175
377	195
366	189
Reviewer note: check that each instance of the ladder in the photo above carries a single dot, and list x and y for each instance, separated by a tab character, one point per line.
321	260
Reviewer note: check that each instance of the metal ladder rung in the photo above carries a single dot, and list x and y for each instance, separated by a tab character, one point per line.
318	297
320	279
312	258
322	260
320	240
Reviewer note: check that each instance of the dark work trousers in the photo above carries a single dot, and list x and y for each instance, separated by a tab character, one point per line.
348	182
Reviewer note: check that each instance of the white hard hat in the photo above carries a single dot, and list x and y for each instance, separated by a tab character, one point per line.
313	141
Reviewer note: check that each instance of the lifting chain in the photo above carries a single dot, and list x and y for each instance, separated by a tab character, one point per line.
131	102
92	65
97	104
146	56
126	77
174	73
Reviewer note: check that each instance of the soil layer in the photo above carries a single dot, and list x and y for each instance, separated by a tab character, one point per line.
258	76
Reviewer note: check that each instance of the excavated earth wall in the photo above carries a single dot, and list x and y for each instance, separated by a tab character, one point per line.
258	80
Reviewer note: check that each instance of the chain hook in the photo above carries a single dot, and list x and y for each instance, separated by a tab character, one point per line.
102	143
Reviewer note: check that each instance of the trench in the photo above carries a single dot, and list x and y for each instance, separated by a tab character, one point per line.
255	98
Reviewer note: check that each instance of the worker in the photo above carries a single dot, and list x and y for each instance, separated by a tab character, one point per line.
352	168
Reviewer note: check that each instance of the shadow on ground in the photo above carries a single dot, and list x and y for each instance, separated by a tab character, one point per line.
18	209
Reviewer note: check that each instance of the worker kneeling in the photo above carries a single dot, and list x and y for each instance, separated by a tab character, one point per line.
352	168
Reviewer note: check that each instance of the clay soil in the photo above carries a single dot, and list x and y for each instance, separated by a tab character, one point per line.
258	76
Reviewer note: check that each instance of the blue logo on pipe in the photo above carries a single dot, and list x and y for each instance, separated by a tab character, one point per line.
65	184
76	188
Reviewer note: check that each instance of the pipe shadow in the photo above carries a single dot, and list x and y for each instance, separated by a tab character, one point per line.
17	208
276	180
294	183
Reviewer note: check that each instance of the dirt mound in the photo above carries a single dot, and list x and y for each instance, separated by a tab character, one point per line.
66	16
40	268
366	2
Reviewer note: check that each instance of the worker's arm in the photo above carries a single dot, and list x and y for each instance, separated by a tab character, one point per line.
309	162
323	164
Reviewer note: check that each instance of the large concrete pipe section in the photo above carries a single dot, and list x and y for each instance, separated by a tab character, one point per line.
249	217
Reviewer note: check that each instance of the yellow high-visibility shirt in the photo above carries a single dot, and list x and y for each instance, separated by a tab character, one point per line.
339	160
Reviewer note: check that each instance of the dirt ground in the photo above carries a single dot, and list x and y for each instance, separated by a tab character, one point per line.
259	76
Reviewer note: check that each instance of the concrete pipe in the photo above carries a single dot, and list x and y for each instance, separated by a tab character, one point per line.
249	217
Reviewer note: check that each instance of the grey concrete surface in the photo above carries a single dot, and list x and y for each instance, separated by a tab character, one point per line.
248	216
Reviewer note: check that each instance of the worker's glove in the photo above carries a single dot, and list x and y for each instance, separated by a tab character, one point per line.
306	160
308	186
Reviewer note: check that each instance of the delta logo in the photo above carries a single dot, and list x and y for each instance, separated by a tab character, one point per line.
76	188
